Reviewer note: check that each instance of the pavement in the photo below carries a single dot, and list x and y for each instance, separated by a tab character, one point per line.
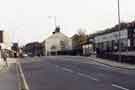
2	64
112	63
8	75
74	73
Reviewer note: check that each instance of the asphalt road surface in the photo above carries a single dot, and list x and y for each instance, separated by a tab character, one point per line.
74	73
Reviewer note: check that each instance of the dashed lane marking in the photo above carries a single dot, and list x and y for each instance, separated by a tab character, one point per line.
80	74
66	69
87	76
57	66
120	87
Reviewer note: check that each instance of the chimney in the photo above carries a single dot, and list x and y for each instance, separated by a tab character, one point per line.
57	29
53	32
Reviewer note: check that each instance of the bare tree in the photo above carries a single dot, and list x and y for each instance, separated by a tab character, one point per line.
82	36
79	38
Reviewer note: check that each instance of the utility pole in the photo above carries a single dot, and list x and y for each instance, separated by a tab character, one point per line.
55	21
119	27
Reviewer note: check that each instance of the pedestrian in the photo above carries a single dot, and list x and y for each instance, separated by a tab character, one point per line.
4	56
5	59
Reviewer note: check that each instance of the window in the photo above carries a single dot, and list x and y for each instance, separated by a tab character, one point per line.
53	48
115	45
134	42
105	46
124	44
110	45
62	44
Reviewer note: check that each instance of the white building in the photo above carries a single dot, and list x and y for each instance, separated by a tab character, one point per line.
5	41
57	42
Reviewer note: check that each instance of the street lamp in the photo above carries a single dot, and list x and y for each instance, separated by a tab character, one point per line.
54	17
17	28
119	27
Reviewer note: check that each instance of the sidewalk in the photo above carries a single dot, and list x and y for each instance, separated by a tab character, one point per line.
8	76
9	60
113	63
2	64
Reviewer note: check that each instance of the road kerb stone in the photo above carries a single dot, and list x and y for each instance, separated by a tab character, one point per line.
113	64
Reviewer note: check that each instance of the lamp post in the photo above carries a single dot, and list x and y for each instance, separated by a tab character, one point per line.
54	18
119	27
16	40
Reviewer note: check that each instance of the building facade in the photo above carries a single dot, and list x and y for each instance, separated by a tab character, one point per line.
114	42
15	49
57	42
88	47
5	42
33	49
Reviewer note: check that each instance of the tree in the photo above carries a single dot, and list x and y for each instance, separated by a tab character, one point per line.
82	36
81	32
75	41
79	38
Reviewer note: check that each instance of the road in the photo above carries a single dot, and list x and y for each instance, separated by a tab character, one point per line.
74	73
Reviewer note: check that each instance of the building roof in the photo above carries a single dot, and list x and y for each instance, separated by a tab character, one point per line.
122	26
57	34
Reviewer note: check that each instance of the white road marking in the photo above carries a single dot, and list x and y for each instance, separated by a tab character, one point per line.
57	66
80	74
104	65
87	76
120	87
66	69
18	78
23	77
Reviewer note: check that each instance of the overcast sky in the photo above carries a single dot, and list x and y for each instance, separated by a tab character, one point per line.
27	20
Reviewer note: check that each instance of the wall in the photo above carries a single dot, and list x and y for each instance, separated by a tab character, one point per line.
55	40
